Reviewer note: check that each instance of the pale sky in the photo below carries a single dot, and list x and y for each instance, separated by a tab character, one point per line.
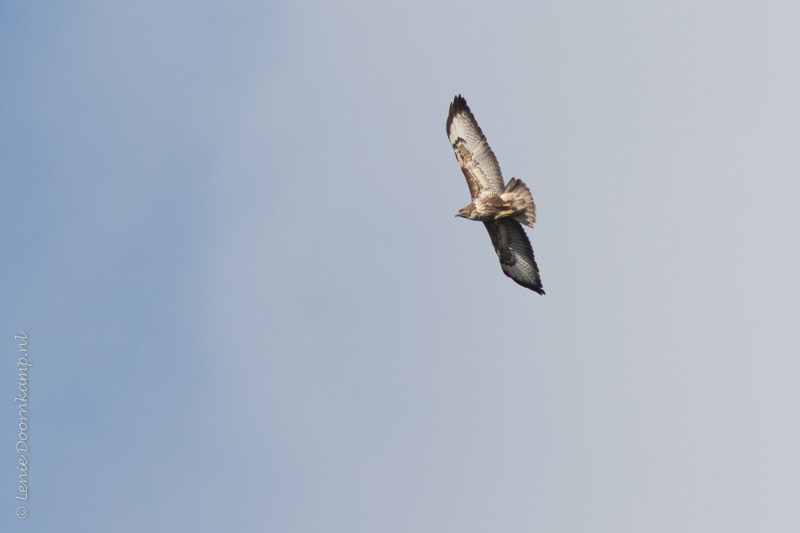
230	238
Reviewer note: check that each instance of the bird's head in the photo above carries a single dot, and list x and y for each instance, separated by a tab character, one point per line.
467	212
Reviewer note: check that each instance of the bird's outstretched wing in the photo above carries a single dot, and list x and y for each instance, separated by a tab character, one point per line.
476	159
515	253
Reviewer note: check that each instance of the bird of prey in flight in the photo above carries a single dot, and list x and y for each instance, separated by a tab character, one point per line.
502	208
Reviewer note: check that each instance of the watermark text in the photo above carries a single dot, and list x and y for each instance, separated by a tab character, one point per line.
22	444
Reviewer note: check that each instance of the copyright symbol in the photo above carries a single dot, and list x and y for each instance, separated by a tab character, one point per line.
22	512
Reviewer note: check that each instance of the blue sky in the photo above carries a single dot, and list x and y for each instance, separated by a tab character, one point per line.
230	238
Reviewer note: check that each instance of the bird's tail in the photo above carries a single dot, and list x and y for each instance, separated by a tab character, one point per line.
519	196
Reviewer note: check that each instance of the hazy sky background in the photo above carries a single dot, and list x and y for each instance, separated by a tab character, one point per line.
230	236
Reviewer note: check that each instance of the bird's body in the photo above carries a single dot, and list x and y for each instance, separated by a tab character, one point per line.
502	208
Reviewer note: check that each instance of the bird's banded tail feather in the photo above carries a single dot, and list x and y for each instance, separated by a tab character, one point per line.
519	196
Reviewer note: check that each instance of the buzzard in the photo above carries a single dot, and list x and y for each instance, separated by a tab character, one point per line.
501	207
